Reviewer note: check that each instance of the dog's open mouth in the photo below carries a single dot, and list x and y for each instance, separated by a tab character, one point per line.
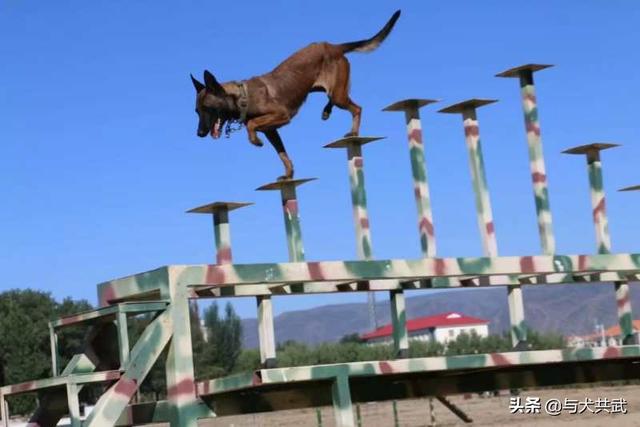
215	129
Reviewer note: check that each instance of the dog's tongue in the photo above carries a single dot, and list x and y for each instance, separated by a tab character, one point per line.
215	132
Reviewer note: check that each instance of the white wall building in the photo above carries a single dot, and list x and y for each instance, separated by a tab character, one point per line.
603	337
441	328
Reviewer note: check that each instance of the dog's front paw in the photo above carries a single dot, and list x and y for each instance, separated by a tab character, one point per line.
285	177
257	142
326	115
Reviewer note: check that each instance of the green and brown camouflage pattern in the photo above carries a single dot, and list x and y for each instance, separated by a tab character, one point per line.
483	209
411	108
401	366
363	240
536	158
478	174
601	224
290	210
540	190
167	291
289	198
529	269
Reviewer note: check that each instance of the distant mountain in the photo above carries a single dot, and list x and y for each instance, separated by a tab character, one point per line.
567	309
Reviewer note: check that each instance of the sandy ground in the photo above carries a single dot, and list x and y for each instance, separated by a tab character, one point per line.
484	411
490	411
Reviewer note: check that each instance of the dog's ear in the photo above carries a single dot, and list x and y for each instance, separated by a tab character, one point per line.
212	84
199	86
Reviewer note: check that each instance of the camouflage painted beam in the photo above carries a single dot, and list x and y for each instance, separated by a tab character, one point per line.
154	412
411	108
601	224
150	284
109	313
143	356
401	269
536	158
361	221
390	285
401	366
49	383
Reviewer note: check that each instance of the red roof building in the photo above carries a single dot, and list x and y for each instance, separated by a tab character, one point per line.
441	327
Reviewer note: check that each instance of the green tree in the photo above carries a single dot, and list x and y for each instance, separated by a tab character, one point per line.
223	346
25	352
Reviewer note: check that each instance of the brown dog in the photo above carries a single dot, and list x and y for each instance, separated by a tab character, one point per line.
269	101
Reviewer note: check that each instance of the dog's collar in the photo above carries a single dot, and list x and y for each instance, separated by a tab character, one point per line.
243	100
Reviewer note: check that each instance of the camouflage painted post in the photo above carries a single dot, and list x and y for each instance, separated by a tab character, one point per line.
222	232
601	224
180	374
354	145
53	339
483	208
295	248
289	198
4	411
342	406
476	164
74	405
411	107
123	338
536	158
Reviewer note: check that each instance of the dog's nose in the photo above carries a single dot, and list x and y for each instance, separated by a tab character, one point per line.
202	133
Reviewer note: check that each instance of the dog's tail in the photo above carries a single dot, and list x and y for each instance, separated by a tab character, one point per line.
375	41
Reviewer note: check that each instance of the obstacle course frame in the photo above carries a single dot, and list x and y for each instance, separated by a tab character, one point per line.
166	292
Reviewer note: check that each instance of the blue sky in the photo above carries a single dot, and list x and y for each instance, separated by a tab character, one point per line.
99	157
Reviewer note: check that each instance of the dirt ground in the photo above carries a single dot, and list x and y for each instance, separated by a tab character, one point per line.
489	411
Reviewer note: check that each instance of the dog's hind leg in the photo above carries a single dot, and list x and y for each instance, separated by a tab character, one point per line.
274	138
340	96
326	111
